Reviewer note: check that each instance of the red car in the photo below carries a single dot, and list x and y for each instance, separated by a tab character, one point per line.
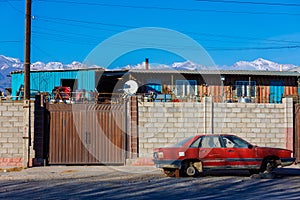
218	151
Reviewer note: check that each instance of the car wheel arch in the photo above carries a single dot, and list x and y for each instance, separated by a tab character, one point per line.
188	163
269	160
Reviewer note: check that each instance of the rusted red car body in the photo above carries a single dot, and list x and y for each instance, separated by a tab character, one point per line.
219	151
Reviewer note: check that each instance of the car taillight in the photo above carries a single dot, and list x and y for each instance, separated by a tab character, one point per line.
160	154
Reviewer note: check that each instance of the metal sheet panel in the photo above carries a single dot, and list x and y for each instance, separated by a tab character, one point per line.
276	91
86	134
297	133
86	80
17	82
263	94
45	81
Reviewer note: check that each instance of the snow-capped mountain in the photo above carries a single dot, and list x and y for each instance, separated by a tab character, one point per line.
56	66
7	65
187	65
261	64
258	64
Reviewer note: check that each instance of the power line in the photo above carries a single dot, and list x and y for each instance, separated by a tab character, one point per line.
64	21
171	9
13	7
10	41
252	48
253	3
59	37
84	22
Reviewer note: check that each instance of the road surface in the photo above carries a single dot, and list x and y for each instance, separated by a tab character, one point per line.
129	182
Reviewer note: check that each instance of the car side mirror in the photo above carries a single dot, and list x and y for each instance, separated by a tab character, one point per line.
250	146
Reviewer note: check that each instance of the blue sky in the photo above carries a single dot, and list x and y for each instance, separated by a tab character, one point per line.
229	30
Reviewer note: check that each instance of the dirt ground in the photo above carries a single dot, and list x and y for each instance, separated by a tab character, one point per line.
143	182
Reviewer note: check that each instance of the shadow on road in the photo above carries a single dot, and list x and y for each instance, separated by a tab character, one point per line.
222	185
287	171
279	172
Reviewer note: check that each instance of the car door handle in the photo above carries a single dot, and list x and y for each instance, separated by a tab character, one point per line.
230	150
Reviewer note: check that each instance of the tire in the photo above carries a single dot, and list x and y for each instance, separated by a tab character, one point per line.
189	169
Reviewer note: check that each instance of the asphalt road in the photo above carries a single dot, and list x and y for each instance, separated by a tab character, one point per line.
128	182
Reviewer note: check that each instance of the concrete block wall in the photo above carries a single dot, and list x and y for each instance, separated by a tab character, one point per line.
13	136
162	124
165	123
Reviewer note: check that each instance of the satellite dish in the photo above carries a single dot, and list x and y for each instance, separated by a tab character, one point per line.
130	87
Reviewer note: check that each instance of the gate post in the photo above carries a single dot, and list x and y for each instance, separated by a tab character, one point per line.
131	123
297	133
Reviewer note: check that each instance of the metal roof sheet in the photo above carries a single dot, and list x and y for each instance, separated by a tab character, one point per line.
169	71
221	72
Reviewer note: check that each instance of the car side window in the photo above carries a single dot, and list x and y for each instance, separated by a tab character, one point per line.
196	143
210	142
228	143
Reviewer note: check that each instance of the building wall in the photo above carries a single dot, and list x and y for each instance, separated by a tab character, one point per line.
45	81
162	124
13	134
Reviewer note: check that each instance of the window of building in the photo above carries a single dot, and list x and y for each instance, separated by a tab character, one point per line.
186	88
153	85
245	88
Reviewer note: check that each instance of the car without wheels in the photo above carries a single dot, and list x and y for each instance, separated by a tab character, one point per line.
199	153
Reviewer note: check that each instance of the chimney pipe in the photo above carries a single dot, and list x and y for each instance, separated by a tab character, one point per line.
146	63
280	68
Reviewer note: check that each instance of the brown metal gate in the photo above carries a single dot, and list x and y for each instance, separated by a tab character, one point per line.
87	134
297	133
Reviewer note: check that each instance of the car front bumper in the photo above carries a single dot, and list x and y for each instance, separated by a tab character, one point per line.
287	161
176	164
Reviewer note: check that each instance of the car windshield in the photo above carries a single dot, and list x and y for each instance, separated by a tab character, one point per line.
182	142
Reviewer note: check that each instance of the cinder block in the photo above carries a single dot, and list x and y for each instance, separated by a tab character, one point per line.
162	140
251	135
261	115
7	114
148	145
152	140
187	114
256	130
3	107
172	120
13	140
236	110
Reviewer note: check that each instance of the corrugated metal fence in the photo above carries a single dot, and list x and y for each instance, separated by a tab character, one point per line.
297	133
87	134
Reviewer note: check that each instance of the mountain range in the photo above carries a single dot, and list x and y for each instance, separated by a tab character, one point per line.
8	64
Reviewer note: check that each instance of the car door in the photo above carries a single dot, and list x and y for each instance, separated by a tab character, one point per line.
239	154
210	152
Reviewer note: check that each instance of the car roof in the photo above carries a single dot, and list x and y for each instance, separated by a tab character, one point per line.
217	134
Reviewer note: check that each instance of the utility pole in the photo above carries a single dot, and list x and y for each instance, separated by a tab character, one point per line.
27	51
26	105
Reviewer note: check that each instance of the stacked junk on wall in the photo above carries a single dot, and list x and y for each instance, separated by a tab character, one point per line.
98	86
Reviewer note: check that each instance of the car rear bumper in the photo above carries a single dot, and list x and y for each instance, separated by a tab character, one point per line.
287	161
167	163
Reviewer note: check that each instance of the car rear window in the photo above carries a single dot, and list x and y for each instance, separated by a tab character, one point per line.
182	142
